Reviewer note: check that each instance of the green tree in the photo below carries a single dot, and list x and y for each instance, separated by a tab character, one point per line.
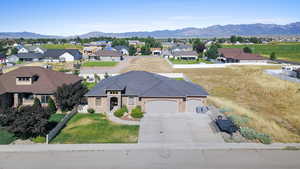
233	39
145	50
273	56
198	46
13	51
37	103
247	49
120	42
51	106
212	52
132	50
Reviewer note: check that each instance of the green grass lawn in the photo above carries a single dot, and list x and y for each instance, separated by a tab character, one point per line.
285	51
179	61
6	137
89	85
62	46
100	64
179	78
56	117
95	128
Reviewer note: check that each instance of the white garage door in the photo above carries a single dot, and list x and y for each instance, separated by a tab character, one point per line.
193	104
157	107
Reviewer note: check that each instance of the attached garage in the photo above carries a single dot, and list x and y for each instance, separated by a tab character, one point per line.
161	106
192	105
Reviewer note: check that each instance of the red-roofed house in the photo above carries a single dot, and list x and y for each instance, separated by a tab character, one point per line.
237	55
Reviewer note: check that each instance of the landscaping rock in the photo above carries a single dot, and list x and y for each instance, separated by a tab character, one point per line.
20	141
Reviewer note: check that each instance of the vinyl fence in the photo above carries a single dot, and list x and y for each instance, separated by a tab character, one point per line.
60	125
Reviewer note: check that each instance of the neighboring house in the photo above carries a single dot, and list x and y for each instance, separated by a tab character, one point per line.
122	49
156	51
109	48
2	57
136	43
237	55
32	49
167	45
98	44
153	92
21	86
107	55
185	55
90	51
57	55
166	54
26	57
181	47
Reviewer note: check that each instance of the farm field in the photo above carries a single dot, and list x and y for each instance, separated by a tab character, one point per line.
284	51
95	128
62	46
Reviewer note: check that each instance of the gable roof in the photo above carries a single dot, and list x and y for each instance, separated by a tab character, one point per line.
237	53
32	48
146	84
56	53
185	53
108	53
30	55
47	82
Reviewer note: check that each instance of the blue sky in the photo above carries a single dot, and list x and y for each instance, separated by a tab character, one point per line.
70	17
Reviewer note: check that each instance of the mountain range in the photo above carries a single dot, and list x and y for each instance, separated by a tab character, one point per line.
207	32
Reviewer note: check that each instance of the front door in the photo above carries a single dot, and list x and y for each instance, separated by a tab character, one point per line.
113	102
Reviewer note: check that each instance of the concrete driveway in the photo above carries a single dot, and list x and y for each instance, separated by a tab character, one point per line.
175	128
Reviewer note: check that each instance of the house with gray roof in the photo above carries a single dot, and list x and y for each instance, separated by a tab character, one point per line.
107	55
68	55
32	49
185	55
26	57
153	92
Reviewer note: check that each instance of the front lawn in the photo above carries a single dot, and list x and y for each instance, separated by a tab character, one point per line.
6	137
95	128
89	85
99	64
180	61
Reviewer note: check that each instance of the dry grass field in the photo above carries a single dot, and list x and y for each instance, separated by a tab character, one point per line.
272	104
150	64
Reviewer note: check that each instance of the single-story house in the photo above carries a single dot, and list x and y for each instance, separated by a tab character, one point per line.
181	47
90	51
185	55
237	55
107	55
153	92
136	43
26	57
156	51
21	86
57	55
122	49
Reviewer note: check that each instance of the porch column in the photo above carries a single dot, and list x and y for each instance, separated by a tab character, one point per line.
16	99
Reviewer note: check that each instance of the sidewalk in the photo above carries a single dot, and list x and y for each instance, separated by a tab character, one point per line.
154	146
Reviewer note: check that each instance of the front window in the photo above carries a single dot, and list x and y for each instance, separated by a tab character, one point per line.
45	99
98	101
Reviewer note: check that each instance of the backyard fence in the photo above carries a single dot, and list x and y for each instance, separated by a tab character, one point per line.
60	125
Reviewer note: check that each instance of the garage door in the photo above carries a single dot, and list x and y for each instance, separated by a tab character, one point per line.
193	104
157	107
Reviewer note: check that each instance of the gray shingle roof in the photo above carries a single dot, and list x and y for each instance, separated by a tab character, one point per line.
55	53
30	55
145	84
185	53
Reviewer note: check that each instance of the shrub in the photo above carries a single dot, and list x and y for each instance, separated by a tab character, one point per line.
119	113
91	111
251	134
238	120
37	103
224	110
6	137
39	139
51	106
137	112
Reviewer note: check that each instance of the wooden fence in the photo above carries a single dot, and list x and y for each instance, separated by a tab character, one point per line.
60	125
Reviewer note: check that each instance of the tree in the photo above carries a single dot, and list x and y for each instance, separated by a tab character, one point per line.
212	52
145	50
132	50
240	39
51	106
13	51
198	46
120	42
106	75
37	103
97	78
247	50
233	39
273	56
68	96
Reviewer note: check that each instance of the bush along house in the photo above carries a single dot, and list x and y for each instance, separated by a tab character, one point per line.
21	86
152	92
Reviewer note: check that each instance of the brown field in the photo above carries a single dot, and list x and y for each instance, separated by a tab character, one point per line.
152	64
272	104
